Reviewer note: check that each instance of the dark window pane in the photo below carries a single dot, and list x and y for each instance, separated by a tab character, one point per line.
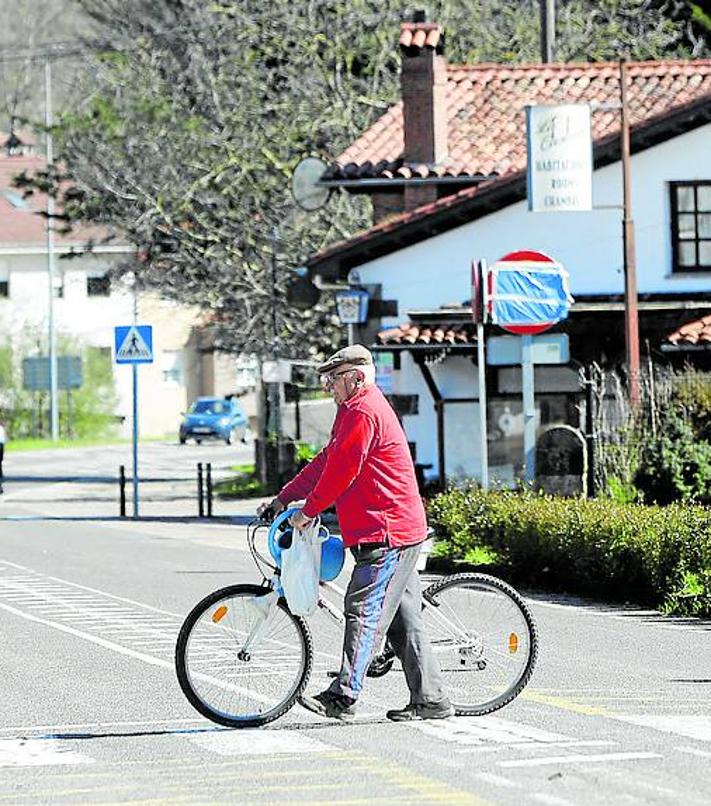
98	286
687	254
4	288
687	226
685	198
703	197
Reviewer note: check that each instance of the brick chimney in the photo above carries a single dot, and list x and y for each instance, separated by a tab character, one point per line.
423	81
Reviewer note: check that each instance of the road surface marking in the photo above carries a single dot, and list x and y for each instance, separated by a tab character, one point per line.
38	753
257	742
497	780
551	800
622	614
35	576
562	702
85	727
694	751
692	727
94	639
486	731
578	759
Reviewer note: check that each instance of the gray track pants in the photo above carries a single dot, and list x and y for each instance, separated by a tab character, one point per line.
384	595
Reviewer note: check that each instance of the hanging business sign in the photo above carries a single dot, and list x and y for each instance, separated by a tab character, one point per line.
559	158
352	306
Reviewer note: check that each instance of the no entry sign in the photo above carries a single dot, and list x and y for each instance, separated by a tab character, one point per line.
528	292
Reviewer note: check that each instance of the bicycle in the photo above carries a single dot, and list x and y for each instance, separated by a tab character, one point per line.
243	659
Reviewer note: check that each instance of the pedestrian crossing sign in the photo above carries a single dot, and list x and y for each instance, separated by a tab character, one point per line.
133	344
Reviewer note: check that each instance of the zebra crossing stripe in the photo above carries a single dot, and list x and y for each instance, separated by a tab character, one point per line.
578	759
258	742
38	753
690	726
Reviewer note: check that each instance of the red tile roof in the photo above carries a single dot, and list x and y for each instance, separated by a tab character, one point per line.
697	332
430	335
419	34
487	135
486	118
21	221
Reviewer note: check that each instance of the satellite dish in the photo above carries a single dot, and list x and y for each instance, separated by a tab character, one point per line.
307	193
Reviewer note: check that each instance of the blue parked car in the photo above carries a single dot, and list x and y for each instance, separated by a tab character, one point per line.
214	418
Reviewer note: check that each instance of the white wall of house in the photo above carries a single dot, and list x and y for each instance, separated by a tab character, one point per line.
588	244
436	271
180	370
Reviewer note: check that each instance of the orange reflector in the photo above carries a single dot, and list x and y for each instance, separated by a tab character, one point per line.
513	643
220	613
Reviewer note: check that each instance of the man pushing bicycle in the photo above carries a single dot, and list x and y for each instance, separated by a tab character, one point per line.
367	471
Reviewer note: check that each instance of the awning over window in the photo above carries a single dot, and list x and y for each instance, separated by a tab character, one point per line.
694	335
437	334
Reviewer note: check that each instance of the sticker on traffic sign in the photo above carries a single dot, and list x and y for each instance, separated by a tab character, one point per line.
528	292
134	344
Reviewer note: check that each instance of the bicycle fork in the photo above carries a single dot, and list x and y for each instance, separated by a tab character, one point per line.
264	607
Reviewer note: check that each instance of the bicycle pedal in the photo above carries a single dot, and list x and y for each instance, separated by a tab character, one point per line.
331	674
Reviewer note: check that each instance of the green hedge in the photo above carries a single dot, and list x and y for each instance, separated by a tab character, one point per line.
658	556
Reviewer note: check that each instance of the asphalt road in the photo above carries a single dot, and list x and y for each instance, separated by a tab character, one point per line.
618	710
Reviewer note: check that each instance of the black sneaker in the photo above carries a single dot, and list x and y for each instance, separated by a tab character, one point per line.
414	711
329	704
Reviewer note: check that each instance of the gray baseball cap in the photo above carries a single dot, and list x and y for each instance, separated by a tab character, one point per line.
355	354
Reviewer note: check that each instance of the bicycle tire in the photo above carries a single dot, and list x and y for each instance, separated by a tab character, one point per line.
511	648
210	670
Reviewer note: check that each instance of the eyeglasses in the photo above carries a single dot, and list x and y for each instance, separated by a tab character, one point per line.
330	379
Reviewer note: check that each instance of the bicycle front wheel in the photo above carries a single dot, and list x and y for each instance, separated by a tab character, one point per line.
484	638
239	662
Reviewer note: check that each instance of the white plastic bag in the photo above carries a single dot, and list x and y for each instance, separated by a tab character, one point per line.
300	569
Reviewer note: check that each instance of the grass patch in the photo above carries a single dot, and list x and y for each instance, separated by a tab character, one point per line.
30	444
244	484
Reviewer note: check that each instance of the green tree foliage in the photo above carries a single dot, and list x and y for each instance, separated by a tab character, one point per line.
86	412
661	451
194	114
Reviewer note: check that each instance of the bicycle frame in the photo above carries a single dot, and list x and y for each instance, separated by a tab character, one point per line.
336	613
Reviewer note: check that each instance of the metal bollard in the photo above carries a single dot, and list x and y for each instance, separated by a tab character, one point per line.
122	491
201	503
209	489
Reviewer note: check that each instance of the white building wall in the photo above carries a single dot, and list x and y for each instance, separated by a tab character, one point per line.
589	245
436	271
92	319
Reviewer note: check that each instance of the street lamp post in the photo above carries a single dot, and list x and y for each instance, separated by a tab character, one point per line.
52	335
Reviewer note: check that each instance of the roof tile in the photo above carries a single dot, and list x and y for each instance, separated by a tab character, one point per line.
22	222
692	333
486	118
431	334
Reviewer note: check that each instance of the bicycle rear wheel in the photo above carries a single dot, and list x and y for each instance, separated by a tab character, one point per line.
484	638
232	685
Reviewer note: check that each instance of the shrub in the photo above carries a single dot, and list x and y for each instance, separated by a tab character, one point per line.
652	555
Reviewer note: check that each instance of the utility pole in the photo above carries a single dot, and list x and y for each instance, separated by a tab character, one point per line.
52	335
547	31
275	387
630	262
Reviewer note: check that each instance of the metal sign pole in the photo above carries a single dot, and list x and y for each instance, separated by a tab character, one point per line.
479	308
135	440
484	446
529	409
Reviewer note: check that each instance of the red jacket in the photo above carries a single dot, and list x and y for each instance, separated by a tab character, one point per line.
366	469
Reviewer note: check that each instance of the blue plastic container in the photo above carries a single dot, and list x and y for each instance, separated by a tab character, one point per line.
333	554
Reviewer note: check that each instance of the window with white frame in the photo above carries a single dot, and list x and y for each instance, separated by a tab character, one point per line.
171	365
4	283
691	225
